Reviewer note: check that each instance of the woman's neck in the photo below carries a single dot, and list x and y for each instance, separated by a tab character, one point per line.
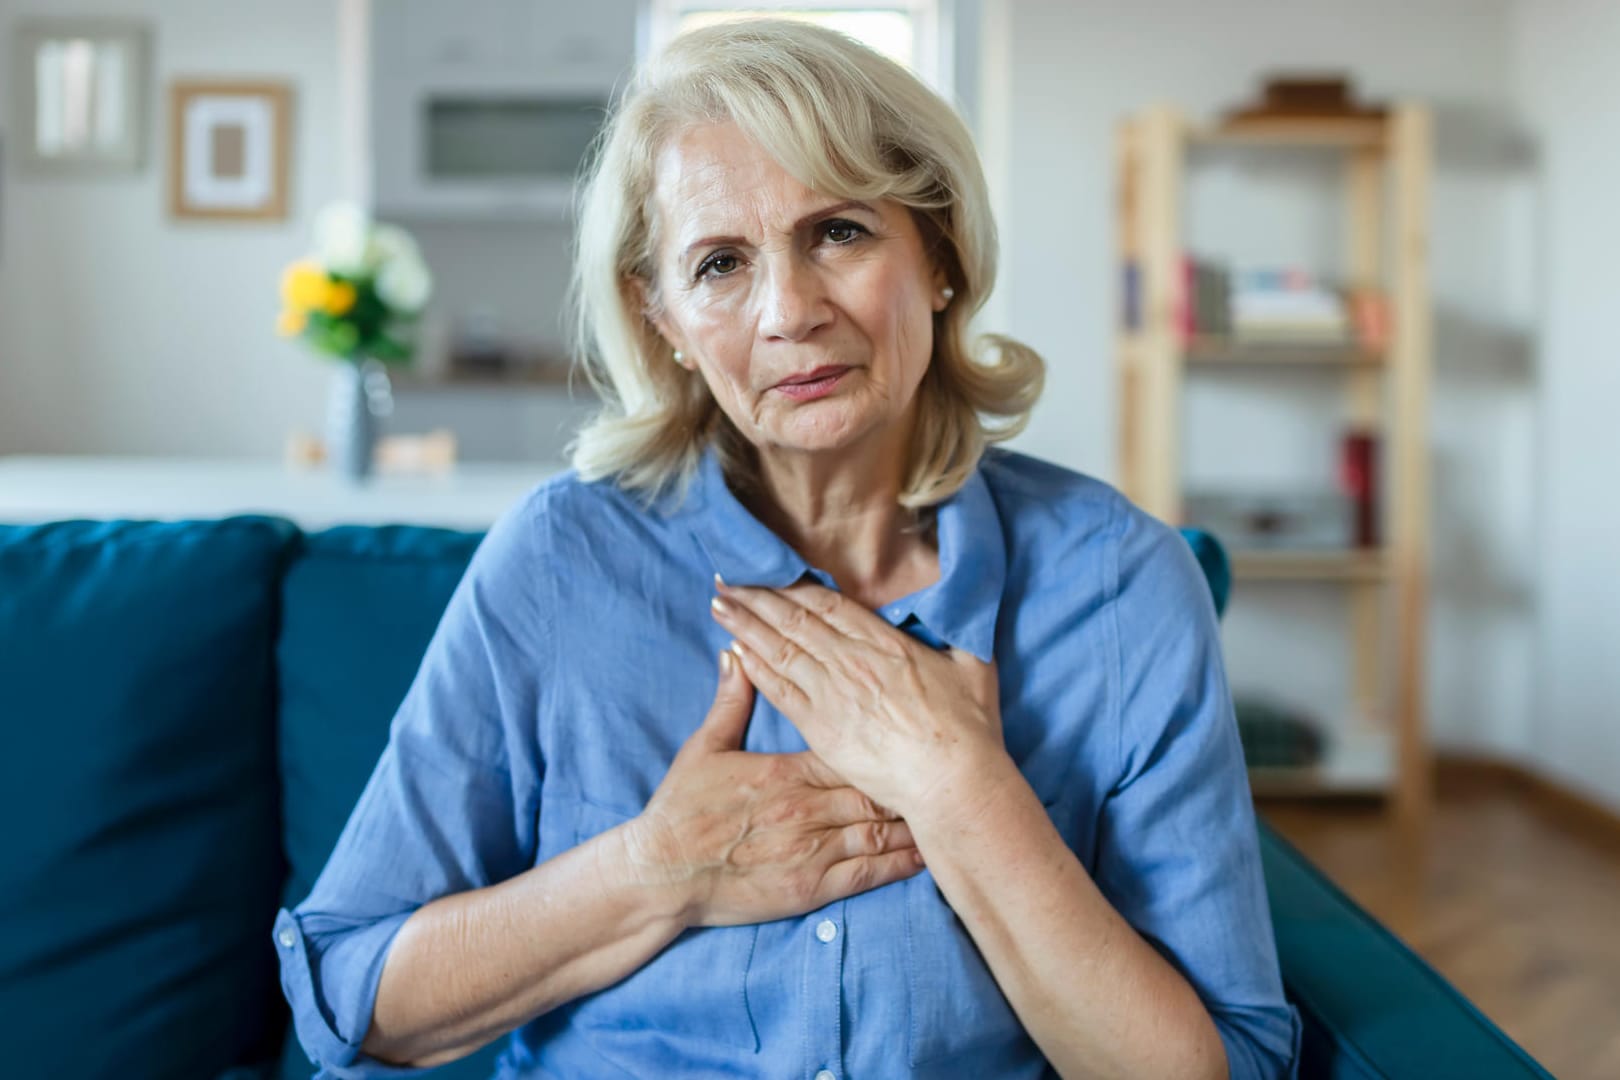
841	512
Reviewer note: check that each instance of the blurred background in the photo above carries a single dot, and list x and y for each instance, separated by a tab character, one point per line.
1325	278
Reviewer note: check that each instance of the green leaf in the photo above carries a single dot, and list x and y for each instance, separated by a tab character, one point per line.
387	348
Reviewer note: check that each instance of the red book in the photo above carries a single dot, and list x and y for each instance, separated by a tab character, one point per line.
1358	478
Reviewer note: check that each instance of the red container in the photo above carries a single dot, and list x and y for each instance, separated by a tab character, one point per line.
1358	479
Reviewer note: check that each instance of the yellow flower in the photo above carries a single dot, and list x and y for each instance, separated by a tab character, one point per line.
339	298
291	323
304	285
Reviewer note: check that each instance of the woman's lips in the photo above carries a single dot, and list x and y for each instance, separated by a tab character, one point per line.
812	388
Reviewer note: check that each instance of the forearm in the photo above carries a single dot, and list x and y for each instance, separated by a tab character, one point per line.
1097	999
466	968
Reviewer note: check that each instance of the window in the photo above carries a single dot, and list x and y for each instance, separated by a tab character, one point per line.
905	30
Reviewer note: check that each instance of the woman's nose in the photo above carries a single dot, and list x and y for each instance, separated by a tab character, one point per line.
793	300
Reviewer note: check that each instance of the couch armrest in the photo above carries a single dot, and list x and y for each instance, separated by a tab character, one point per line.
1371	1007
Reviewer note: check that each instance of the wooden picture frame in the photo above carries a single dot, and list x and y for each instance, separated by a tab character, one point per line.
229	143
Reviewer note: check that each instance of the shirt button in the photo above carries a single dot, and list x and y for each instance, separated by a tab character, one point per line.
287	937
825	1074
826	930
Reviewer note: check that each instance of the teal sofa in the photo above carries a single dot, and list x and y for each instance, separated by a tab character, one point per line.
191	710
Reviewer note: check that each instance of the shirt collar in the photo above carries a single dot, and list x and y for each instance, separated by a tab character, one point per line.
960	608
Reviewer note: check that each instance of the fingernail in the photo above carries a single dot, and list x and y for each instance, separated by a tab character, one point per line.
728	663
720	583
720	606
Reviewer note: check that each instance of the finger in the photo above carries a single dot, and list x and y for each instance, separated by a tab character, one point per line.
841	612
865	872
778	630
849	806
796	622
787	656
726	725
874	838
779	690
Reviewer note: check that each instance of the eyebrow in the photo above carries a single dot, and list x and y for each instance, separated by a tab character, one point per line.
835	208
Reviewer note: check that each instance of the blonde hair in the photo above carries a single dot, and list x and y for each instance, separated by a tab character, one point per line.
848	123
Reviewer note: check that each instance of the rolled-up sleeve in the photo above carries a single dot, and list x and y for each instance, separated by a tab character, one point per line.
450	806
1178	853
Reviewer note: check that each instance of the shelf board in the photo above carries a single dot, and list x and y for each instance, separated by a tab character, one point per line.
1358	565
1346	133
1272	783
1358	762
1220	351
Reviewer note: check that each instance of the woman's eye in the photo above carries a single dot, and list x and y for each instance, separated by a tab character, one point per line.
719	263
841	231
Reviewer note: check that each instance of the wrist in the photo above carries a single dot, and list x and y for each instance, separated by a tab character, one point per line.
964	792
640	857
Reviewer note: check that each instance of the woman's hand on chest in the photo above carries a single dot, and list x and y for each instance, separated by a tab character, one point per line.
905	723
732	837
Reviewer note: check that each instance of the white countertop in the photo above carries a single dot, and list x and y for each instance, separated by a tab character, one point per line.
36	489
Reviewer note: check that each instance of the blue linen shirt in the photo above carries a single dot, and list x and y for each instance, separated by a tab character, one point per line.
578	653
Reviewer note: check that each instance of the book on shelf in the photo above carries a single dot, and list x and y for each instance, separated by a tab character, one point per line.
1261	306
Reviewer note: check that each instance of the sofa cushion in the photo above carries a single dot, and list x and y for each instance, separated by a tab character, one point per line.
141	864
360	606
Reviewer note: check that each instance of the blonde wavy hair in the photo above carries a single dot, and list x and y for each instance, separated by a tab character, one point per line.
847	123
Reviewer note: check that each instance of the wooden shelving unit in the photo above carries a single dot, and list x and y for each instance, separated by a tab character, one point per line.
1387	165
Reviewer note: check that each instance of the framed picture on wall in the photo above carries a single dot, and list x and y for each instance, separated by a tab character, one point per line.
78	88
229	143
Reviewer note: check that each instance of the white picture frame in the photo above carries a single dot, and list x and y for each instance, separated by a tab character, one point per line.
80	88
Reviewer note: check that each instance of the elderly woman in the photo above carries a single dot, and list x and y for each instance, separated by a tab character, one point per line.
799	730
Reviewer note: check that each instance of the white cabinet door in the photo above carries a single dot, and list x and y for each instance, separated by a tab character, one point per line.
587	43
582	43
465	34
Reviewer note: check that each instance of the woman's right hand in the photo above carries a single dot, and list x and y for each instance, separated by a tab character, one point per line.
740	837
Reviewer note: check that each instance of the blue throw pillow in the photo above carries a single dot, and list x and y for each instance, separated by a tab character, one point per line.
138	787
360	606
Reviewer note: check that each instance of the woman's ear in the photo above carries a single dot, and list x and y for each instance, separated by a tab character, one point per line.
641	292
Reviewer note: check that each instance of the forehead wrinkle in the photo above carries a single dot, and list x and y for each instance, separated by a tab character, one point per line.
718	197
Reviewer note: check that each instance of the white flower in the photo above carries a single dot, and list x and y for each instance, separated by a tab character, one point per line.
390	242
341	230
404	283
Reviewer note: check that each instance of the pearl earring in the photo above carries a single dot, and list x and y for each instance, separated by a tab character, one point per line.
947	292
678	356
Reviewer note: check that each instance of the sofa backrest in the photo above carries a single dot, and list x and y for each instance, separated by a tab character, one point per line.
360	605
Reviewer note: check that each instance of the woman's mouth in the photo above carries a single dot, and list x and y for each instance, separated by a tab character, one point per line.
821	382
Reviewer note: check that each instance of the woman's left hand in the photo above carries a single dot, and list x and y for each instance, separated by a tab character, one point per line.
905	723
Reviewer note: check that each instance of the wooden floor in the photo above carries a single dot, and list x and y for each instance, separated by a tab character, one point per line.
1516	905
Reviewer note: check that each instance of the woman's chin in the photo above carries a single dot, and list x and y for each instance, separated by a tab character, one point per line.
823	429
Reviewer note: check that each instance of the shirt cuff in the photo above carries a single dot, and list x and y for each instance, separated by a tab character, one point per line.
1261	1043
336	1057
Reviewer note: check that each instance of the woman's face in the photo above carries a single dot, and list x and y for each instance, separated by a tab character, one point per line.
762	281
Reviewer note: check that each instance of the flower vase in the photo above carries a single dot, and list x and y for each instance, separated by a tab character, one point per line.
361	399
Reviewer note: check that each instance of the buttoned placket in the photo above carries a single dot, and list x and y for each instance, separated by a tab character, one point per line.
824	992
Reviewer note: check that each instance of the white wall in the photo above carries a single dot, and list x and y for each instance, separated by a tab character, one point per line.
124	331
1567	67
1070	71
